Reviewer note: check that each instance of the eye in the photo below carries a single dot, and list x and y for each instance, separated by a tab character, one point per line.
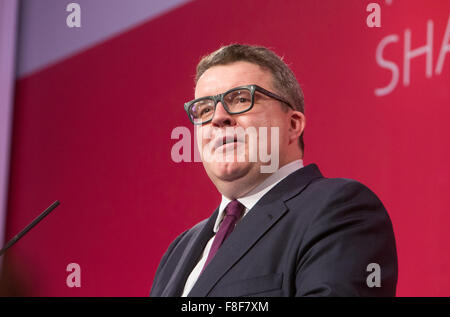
202	108
239	97
205	111
242	99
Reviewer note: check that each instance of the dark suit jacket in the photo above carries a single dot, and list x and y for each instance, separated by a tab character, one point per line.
307	236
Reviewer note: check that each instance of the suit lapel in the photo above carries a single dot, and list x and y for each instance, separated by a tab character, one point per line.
253	226
189	258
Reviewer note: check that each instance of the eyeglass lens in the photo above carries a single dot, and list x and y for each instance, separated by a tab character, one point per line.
236	101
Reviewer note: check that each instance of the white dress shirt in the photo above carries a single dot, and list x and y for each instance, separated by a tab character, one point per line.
248	201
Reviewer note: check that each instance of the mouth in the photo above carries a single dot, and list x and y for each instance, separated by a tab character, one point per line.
223	141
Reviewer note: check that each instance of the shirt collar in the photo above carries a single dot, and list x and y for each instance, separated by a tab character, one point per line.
259	191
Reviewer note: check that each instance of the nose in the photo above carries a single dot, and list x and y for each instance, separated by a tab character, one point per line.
222	117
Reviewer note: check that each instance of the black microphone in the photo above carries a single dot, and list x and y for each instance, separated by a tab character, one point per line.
29	227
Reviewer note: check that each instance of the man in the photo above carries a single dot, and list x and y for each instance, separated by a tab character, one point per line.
288	232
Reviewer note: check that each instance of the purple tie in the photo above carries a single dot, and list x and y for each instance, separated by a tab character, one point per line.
233	212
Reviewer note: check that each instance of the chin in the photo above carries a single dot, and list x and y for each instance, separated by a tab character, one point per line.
229	171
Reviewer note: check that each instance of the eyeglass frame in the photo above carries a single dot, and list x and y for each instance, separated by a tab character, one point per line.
219	97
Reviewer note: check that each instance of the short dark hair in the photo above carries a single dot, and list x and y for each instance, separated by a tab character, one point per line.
284	80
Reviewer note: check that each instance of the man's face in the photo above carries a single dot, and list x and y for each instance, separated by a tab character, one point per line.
265	114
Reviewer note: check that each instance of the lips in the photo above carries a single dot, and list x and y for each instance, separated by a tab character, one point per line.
222	140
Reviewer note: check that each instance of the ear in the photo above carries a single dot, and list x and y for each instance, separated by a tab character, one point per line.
297	122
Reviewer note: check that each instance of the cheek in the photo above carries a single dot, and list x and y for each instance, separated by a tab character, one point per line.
255	121
266	120
198	135
277	130
202	135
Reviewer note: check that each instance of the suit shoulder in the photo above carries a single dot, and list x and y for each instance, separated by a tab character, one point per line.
332	198
185	235
341	187
338	182
173	251
188	233
197	227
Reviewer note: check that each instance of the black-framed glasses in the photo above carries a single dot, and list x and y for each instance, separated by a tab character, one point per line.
236	100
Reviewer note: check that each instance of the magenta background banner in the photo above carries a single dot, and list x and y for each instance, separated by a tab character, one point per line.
8	15
93	130
46	39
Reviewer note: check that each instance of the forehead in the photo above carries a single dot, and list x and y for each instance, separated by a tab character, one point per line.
221	78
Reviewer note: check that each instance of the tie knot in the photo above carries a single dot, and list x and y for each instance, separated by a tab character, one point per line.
235	209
